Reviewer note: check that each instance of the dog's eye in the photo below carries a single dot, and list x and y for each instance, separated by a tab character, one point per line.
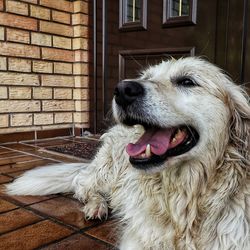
186	82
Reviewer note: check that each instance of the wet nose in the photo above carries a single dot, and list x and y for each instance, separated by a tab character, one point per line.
126	92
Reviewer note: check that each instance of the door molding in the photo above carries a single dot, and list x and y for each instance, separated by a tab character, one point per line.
143	53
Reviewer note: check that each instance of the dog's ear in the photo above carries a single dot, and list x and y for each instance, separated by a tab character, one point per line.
238	101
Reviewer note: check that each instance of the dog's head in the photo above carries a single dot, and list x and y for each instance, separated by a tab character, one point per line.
188	108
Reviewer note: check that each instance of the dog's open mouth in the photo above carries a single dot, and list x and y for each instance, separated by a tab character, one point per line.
158	144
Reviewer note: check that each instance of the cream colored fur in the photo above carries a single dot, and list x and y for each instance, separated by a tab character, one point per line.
198	200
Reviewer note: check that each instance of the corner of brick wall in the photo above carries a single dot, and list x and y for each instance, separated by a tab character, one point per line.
44	64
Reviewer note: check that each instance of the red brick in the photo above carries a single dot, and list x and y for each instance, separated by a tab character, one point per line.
81	31
33	236
58	105
63	117
12	78
18	36
63	68
19	50
18	21
17	7
57	81
31	1
17	64
56	28
43	118
4	120
81	6
82	81
16	219
81	43
57	54
60	5
82	56
80	18
61	17
62	42
41	39
18	120
2	33
1	4
21	106
39	12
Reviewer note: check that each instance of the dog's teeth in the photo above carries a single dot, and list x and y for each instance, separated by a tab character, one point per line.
148	151
174	140
178	134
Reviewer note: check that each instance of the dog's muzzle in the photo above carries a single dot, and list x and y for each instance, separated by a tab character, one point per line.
127	92
158	143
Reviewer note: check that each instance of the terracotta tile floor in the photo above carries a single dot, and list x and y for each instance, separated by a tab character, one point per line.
45	222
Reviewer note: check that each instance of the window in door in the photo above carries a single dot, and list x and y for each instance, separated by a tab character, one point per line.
133	15
179	12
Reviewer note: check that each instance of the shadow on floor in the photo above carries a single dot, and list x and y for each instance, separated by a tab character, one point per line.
48	222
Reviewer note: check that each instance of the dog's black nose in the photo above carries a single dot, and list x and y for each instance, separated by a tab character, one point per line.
127	92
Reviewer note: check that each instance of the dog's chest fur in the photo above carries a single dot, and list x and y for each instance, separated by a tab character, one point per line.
173	210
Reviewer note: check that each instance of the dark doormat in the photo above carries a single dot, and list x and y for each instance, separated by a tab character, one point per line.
86	150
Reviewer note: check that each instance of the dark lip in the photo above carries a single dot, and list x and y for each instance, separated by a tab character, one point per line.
156	160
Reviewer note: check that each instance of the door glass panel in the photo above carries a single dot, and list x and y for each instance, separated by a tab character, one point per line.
179	8
133	11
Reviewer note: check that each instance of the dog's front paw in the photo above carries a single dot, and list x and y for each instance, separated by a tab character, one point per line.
95	209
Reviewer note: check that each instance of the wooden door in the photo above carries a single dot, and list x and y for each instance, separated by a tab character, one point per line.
143	32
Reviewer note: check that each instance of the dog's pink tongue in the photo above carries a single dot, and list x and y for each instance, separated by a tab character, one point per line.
158	139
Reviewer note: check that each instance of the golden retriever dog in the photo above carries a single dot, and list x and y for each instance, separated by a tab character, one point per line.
175	169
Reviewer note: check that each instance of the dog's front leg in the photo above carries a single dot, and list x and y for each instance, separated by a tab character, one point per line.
93	184
89	193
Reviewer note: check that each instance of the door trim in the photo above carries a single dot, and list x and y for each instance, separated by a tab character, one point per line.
125	54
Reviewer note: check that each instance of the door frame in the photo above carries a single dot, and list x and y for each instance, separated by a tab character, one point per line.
227	28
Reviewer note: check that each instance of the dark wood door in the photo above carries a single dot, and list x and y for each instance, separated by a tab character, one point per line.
143	32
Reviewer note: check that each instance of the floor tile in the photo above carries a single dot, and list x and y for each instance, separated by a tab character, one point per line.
60	158
16	174
27	199
78	241
64	209
19	166
10	154
20	147
5	179
4	150
16	219
13	160
30	222
33	236
47	143
106	232
6	206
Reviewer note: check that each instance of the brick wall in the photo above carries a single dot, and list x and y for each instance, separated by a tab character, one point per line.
44	65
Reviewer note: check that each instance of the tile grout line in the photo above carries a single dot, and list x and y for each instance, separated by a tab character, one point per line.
21	227
97	239
45	217
12	157
45	158
54	241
